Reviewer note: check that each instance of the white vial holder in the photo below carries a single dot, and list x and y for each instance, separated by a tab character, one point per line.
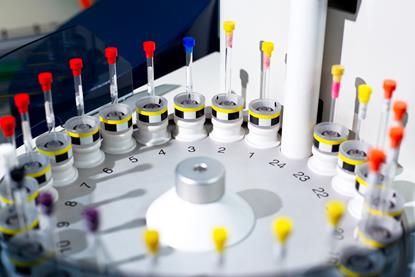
86	141
383	202
117	129
189	116
379	232
263	123
327	138
31	187
352	153
152	121
58	147
227	118
38	166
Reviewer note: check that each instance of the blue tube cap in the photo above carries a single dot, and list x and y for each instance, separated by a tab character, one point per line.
188	43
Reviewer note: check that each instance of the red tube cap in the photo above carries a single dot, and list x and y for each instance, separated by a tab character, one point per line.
8	125
111	54
376	158
149	47
22	100
399	109
45	80
389	86
76	65
396	136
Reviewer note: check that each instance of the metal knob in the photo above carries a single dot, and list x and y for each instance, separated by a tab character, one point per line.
200	180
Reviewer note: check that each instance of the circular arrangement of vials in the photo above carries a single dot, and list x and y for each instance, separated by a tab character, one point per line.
264	123
352	154
264	112
362	173
386	202
9	222
86	140
227	107
189	116
117	129
197	204
152	109
189	106
37	166
359	261
24	253
328	136
58	147
31	187
227	117
379	232
152	114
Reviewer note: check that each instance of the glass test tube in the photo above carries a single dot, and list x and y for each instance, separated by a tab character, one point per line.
150	76
364	93
383	123
27	132
188	43
113	83
266	50
76	65
111	54
389	87
337	72
79	95
229	26
50	115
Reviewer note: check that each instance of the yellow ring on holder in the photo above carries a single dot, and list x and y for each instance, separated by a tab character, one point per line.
364	183
350	161
113	121
368	241
30	198
83	135
383	213
55	153
15	232
40	173
347	272
221	110
264	116
189	110
38	261
326	141
147	113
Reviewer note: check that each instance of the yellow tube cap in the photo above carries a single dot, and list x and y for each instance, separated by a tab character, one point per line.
220	236
282	228
151	239
229	26
267	47
364	91
335	211
337	70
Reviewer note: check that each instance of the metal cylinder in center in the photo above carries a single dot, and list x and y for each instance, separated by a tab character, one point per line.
200	180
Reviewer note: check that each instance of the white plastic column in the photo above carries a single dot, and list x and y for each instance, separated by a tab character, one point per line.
304	60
